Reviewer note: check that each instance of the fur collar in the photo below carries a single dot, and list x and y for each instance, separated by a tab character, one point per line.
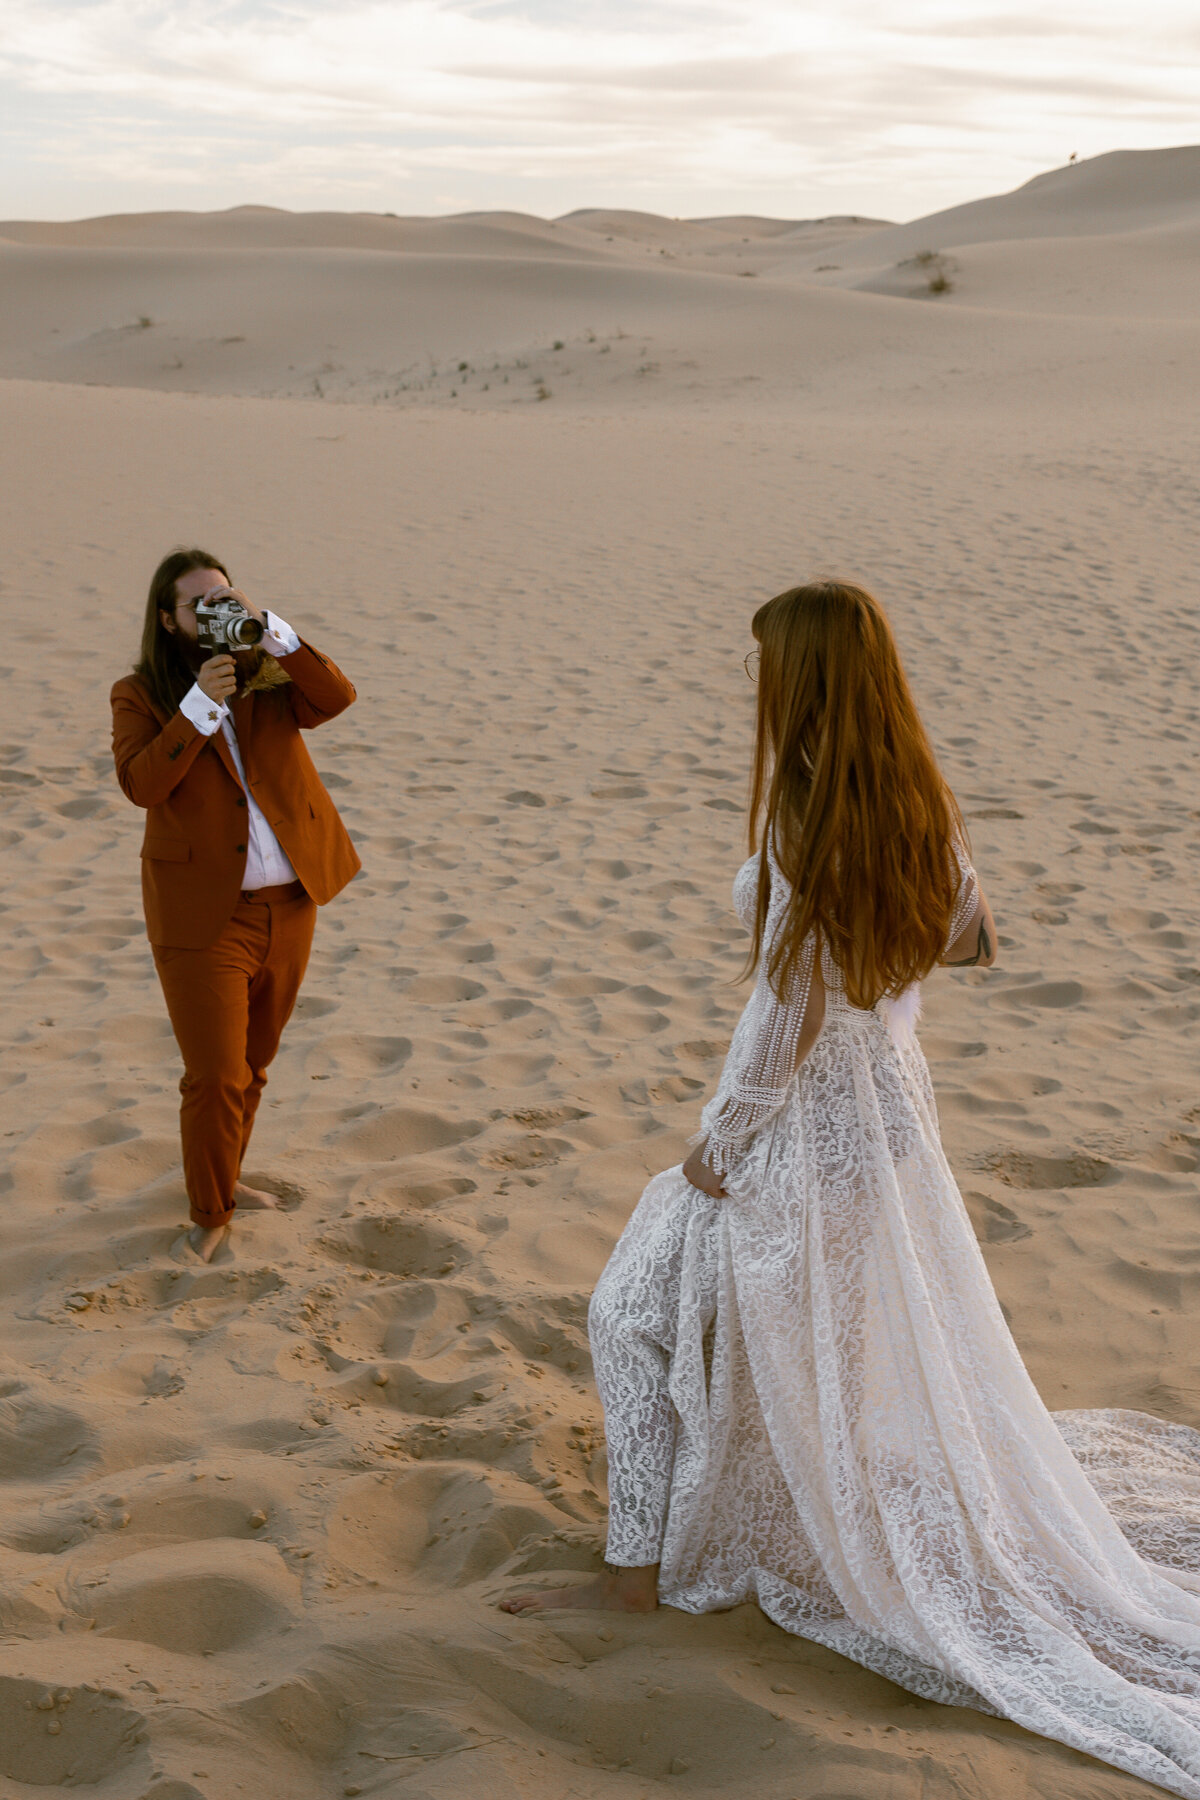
269	675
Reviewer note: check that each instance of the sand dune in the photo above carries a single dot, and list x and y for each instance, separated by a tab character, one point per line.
1146	275
356	325
255	1516
269	228
616	309
488	334
467	234
1128	190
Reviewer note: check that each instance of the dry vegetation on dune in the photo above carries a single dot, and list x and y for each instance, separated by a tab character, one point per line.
255	1517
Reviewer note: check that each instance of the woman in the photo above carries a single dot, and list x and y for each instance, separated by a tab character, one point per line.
811	1397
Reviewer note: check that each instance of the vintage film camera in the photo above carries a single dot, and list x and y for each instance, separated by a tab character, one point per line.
223	624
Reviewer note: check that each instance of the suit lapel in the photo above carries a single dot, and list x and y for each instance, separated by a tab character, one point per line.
243	714
223	751
242	709
241	723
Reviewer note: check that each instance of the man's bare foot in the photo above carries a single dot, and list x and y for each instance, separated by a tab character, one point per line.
617	1590
255	1199
206	1240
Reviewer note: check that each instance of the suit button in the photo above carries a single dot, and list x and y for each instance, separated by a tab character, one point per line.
239	848
241	799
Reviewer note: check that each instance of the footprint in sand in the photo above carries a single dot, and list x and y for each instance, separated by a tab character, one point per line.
313	1006
552	1333
944	1049
422	1319
196	1298
1019	1169
1172	1285
1040	994
443	990
709	1721
994	1222
385	1133
425	1391
196	1599
410	1350
358	1054
215	1295
414	1193
531	1152
39	1438
63	1142
317	1713
444	1524
107	1304
399	1246
176	1508
87	806
538	1117
55	1736
702	1049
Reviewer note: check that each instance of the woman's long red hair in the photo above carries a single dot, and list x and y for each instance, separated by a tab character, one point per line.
847	790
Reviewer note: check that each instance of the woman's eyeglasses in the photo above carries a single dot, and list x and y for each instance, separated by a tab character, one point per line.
750	664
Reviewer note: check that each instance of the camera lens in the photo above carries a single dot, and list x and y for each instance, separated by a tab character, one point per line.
245	632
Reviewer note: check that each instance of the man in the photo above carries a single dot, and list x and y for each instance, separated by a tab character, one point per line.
242	844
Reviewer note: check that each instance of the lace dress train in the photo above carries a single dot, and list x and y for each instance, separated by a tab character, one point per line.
812	1400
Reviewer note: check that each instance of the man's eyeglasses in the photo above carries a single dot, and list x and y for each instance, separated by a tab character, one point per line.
750	664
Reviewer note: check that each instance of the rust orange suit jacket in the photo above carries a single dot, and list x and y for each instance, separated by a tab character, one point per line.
194	854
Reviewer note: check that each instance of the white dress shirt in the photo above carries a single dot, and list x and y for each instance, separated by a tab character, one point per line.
266	863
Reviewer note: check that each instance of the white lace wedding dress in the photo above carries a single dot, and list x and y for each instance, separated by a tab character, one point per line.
812	1401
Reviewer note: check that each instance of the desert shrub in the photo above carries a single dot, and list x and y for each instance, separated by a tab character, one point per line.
934	266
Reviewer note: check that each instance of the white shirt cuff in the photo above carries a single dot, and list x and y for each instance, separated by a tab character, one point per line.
279	639
205	714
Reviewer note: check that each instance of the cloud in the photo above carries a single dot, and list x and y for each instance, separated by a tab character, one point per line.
692	105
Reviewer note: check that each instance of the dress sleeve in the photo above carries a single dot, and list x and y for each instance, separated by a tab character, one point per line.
761	1064
968	893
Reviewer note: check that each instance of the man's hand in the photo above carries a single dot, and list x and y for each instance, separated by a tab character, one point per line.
697	1171
218	677
227	593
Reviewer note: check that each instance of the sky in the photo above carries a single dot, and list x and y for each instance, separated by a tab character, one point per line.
888	108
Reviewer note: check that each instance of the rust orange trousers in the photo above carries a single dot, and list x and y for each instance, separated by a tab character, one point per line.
228	1006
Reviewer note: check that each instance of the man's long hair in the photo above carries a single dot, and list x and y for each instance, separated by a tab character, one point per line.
163	666
847	791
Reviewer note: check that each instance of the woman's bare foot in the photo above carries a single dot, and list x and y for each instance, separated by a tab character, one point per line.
617	1590
255	1199
206	1240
